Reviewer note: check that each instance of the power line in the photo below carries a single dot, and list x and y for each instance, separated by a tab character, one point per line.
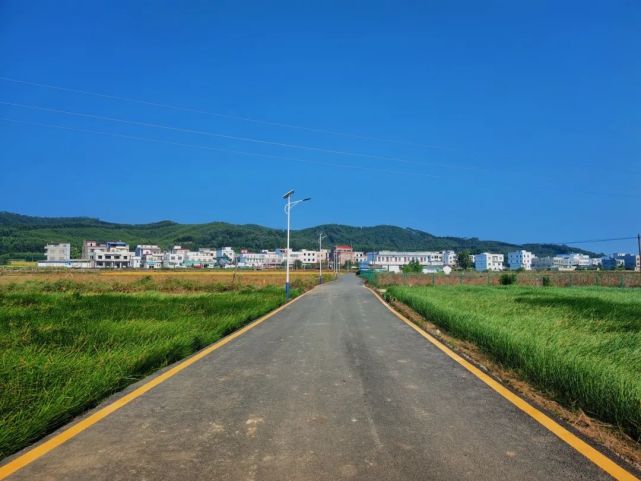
593	241
216	149
284	125
590	241
225	136
280	144
218	114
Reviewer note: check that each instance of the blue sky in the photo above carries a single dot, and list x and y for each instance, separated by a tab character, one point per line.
517	121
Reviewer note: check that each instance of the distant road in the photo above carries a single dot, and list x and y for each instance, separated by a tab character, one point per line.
332	387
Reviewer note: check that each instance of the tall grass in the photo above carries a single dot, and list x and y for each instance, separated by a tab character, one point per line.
581	345
64	346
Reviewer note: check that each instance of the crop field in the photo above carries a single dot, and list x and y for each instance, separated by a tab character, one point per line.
581	345
197	278
68	340
526	278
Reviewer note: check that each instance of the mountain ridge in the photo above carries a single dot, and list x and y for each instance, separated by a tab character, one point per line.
24	237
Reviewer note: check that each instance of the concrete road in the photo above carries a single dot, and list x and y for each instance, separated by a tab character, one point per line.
333	387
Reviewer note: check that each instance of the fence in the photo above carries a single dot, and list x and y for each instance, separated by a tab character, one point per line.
532	278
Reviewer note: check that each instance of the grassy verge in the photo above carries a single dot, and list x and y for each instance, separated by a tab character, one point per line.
65	346
580	345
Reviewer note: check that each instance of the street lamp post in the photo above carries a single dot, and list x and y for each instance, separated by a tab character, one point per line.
321	236
288	208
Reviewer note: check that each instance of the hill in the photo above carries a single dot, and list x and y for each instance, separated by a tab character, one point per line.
24	237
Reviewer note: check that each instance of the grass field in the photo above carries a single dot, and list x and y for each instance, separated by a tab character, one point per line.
580	345
67	341
525	278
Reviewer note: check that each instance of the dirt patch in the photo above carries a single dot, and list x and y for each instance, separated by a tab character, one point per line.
598	432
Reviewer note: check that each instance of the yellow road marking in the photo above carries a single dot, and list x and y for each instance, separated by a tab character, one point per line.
42	449
598	458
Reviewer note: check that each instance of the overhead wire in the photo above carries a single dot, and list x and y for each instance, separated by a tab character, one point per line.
593	241
247	139
228	137
218	114
216	149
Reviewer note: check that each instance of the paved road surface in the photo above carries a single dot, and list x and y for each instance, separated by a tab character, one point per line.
333	387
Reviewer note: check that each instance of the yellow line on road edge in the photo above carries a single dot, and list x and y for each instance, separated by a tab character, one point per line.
42	449
598	458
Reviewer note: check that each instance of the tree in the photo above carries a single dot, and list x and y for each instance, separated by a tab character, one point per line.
413	267
298	264
463	259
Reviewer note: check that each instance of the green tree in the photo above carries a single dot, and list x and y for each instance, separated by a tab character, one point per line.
463	259
413	267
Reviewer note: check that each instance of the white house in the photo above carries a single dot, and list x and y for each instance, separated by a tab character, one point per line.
432	269
254	260
580	261
304	256
117	258
449	258
520	260
226	252
558	263
88	246
152	260
200	258
172	260
265	259
58	252
117	246
394	261
359	256
314	257
67	264
144	249
488	262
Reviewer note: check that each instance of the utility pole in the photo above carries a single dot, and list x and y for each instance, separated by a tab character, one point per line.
639	244
289	208
321	236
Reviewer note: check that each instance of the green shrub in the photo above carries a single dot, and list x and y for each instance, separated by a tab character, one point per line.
507	278
546	282
413	267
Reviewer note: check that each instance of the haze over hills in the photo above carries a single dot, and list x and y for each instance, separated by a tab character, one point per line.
24	237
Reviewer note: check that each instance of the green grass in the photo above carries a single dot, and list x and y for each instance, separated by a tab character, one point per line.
65	347
581	345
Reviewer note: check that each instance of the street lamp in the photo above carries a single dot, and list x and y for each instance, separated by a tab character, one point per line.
288	208
321	236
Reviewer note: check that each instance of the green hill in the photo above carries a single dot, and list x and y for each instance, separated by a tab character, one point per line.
24	237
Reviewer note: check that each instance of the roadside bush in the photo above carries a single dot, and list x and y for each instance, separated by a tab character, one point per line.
546	282
507	278
413	267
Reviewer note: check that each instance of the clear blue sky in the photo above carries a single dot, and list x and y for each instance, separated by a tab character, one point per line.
517	121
